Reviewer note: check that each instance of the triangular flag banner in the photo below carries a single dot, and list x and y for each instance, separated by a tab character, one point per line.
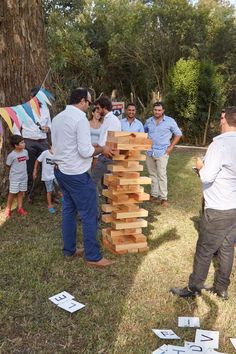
20	112
42	97
36	101
34	107
28	110
13	116
47	93
7	118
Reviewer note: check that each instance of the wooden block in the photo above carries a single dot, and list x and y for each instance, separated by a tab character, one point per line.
143	249
126	174
133	250
140	196
130	246
108	208
119	198
140	147
111	134
122	181
128	207
123	157
119	168
115	233
118	225
130	214
110	248
126	189
107	218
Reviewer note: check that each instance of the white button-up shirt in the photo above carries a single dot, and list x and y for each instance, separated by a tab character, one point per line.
71	141
218	174
31	130
110	123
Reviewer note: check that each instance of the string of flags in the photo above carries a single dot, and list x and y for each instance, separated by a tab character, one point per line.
21	113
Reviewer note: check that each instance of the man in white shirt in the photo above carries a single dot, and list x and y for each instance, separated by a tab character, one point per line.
35	137
218	223
110	123
73	154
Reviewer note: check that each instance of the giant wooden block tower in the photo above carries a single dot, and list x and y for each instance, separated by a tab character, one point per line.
124	193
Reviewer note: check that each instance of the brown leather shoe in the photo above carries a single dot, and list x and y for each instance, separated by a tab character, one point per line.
99	264
164	203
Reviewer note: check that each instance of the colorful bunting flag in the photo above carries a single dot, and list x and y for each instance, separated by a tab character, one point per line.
47	93
7	118
13	116
21	113
36	105
42	97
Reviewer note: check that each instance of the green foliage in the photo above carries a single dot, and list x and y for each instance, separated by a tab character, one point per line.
133	46
194	87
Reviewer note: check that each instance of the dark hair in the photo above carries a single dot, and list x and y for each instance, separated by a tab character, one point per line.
34	91
131	104
158	104
104	102
77	95
16	139
230	116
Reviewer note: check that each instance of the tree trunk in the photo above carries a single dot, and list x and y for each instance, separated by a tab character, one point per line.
207	125
23	61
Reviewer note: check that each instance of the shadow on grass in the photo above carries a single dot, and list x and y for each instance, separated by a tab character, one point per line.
189	307
32	269
168	236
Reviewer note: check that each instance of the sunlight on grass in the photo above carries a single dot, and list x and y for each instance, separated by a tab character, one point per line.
124	302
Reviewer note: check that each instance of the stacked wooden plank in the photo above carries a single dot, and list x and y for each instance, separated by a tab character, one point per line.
124	193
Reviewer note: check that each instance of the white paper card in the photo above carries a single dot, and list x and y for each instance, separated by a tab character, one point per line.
174	349
71	306
207	339
61	297
194	347
161	350
188	322
165	334
233	341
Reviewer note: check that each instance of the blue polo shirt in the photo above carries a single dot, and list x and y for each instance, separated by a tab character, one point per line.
161	134
135	126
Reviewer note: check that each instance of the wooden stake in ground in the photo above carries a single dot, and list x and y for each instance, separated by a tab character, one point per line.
124	193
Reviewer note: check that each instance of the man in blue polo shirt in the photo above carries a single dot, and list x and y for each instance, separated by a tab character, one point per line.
165	134
131	124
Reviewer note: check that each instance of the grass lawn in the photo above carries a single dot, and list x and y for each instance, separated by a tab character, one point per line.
124	302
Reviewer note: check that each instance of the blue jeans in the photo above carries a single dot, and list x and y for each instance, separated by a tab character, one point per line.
79	195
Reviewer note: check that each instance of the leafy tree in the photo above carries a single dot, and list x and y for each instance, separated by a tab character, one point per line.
196	95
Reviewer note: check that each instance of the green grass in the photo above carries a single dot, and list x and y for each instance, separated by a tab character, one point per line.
124	302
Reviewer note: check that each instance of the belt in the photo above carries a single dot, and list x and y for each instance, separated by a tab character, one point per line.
38	140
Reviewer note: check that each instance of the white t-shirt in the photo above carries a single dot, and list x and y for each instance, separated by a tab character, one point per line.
71	141
17	162
47	165
31	130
